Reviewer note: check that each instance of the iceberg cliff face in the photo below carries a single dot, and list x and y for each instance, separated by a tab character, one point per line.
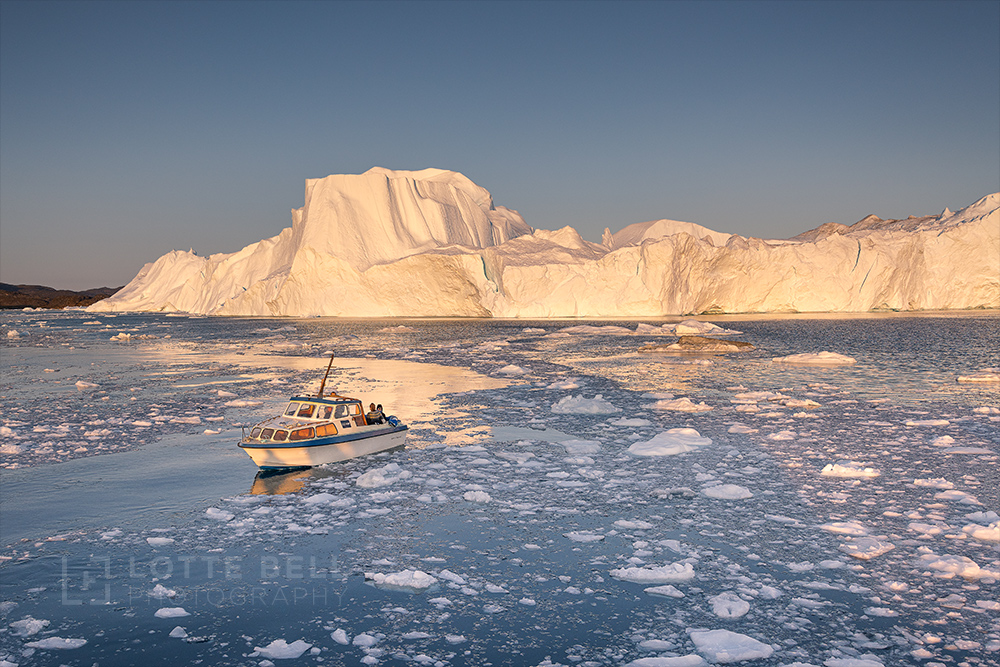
432	243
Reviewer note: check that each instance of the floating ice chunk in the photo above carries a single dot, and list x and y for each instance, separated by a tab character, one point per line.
853	662
578	405
178	632
581	446
663	574
29	626
845	528
11	449
957	496
783	435
928	422
799	403
949	566
684	404
729	605
741	428
697	328
57	643
633	525
242	403
159	541
477	496
634	421
883	612
983	375
319	499
565	385
171	612
934	483
222	393
407	580
340	636
668	443
161	592
13	333
983	517
816	359
866	548
728	492
691	660
848	469
584	536
219	515
990	533
384	476
986	410
664	591
511	369
81	385
723	646
279	649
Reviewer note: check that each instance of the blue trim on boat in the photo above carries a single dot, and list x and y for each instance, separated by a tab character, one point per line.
319	442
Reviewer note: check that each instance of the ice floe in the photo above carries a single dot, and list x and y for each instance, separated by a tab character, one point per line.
669	443
816	359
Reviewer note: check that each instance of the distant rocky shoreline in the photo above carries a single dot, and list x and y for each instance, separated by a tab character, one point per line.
39	296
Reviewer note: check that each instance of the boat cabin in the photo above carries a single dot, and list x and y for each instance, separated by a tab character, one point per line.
309	417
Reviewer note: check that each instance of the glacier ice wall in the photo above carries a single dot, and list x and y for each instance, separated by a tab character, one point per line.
432	243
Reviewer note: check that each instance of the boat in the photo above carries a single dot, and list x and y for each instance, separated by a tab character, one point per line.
313	430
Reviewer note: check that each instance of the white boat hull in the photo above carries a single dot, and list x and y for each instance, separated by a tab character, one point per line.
308	455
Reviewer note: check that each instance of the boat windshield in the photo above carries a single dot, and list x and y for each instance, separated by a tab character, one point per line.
292	408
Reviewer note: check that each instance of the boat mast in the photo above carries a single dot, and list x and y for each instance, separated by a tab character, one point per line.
323	383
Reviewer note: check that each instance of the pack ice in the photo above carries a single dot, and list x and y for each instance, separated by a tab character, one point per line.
432	243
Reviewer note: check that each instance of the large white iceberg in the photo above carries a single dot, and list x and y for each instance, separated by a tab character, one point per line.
432	242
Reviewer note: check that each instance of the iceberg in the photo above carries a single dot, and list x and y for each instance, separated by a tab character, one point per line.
433	243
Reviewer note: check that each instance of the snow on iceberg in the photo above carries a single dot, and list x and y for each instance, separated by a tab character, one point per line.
432	243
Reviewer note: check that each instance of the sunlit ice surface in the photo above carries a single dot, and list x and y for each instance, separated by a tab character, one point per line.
563	498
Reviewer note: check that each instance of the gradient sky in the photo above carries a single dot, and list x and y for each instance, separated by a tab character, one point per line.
128	129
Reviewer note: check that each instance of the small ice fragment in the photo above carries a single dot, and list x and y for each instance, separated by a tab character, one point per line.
665	591
477	496
845	528
584	536
171	612
161	592
570	405
684	404
655	575
866	548
848	469
178	633
279	649
219	515
85	386
723	646
728	492
57	643
729	605
512	370
159	541
29	626
816	359
407	580
690	660
990	533
383	476
669	443
340	636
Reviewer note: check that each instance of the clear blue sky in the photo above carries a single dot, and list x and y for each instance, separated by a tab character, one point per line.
128	129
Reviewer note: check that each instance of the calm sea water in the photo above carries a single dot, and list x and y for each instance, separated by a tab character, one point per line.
123	481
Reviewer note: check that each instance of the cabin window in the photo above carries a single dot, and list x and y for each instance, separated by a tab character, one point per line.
326	429
255	432
280	436
325	411
306	410
303	434
341	411
291	409
355	408
267	433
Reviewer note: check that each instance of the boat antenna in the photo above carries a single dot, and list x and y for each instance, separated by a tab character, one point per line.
323	383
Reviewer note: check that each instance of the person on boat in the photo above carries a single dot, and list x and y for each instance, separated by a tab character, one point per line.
375	415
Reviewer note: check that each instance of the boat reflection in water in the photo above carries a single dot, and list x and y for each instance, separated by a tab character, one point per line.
281	482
